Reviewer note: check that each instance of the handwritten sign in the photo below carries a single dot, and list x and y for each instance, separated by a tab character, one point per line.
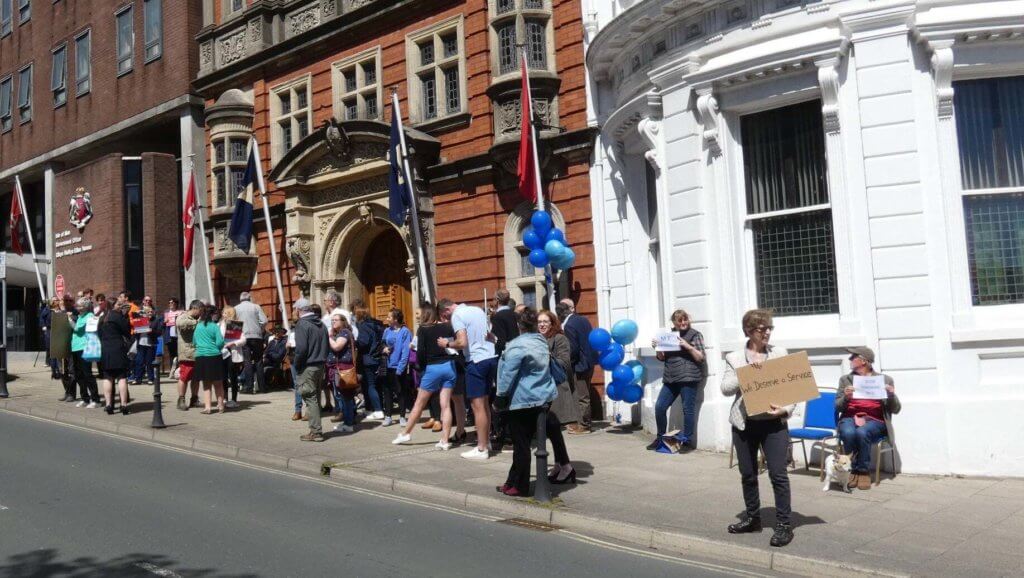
869	387
666	340
782	381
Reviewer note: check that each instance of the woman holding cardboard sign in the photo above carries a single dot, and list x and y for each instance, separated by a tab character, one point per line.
765	430
866	413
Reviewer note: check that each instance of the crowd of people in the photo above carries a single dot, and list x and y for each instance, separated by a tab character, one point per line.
499	370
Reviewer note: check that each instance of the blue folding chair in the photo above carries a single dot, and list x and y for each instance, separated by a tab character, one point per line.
819	426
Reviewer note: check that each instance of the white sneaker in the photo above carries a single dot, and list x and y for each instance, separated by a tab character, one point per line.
443	446
230	404
377	415
476	454
92	405
401	439
387	421
342	428
402	422
80	404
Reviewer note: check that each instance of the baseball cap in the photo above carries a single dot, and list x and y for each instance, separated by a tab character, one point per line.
864	352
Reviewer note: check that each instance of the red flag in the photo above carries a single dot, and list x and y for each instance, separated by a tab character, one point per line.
16	223
188	220
527	168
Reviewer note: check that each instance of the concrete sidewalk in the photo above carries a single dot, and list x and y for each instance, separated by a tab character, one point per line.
909	525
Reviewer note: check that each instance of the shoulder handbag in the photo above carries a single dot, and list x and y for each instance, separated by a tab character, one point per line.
92	350
348	379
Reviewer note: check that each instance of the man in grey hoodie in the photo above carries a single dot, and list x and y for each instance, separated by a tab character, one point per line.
311	347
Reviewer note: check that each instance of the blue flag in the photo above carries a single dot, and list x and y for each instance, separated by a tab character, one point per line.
399	198
240	230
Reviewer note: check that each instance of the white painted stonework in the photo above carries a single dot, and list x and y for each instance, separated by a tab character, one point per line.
669	80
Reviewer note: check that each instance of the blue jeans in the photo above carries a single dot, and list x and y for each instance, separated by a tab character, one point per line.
143	366
858	441
295	388
372	398
667	396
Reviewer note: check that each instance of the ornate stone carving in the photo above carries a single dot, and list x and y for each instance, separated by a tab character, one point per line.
256	30
352	190
322	225
366	213
358	153
707	108
302	21
232	48
649	129
206	54
510	114
942	67
222	244
298	253
351	5
828	80
328	7
337	139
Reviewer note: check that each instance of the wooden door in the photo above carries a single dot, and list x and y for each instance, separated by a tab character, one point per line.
386	283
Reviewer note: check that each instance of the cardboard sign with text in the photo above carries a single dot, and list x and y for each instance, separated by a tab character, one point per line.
782	381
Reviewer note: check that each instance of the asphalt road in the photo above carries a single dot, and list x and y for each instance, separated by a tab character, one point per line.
82	504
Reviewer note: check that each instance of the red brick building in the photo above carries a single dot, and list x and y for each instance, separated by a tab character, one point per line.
281	71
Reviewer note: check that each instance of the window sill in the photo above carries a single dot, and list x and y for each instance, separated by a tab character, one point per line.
81	94
988	335
59	105
457	120
153	59
126	72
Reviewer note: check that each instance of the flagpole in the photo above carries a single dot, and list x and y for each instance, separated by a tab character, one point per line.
202	228
270	234
421	258
28	229
549	273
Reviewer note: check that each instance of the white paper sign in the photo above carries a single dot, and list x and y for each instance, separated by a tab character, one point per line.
869	387
92	324
666	340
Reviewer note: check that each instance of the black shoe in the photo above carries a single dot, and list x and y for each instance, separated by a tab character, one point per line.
654	445
124	410
783	535
110	410
746	526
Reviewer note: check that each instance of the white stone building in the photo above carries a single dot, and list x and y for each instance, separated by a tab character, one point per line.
856	165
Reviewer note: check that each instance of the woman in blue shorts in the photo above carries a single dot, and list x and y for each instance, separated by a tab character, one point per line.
437	366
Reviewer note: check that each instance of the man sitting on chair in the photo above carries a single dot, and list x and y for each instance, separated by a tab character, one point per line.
863	422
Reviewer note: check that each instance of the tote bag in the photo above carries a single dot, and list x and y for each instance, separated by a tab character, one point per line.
92	350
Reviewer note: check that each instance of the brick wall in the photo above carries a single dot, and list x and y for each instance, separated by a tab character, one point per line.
112	98
102	267
160	216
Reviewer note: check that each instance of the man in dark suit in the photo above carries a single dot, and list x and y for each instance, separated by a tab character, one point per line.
577	329
504	325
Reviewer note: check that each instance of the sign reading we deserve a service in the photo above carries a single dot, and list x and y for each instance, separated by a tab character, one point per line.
781	381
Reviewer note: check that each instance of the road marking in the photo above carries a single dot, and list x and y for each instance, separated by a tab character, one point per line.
156	570
3	507
678	560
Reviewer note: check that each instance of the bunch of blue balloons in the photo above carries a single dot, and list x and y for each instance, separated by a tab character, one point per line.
547	243
611	349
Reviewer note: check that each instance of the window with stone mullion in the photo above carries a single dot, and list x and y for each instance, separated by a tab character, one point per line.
293	120
229	160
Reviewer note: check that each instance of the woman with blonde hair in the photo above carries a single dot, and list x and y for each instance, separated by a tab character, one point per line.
683	377
765	430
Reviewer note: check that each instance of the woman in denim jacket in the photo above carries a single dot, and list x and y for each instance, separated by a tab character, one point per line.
526	385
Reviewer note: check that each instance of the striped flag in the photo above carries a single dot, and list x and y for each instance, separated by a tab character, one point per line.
240	230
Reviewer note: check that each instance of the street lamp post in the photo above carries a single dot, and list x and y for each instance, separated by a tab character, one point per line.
542	489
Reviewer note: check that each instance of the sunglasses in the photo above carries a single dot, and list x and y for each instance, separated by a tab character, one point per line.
765	328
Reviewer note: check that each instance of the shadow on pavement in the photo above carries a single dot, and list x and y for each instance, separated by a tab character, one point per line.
47	562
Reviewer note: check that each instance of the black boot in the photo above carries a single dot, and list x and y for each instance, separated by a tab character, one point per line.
783	535
745	526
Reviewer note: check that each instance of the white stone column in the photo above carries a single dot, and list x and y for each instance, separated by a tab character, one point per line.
193	142
49	182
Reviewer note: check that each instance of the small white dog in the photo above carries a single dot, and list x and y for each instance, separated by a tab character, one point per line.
837	469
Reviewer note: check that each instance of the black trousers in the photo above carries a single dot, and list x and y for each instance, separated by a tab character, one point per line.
522	425
86	381
67	376
397	388
773	436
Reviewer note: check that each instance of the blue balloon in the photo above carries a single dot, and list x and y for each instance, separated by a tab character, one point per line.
622	374
638	370
555	250
632	393
612	391
568	259
612	357
556	234
599	339
625	331
532	240
538	258
541	222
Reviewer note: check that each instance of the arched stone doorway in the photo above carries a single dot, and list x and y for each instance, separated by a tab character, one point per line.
384	276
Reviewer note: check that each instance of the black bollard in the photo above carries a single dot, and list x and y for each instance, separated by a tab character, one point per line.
158	410
542	489
3	370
